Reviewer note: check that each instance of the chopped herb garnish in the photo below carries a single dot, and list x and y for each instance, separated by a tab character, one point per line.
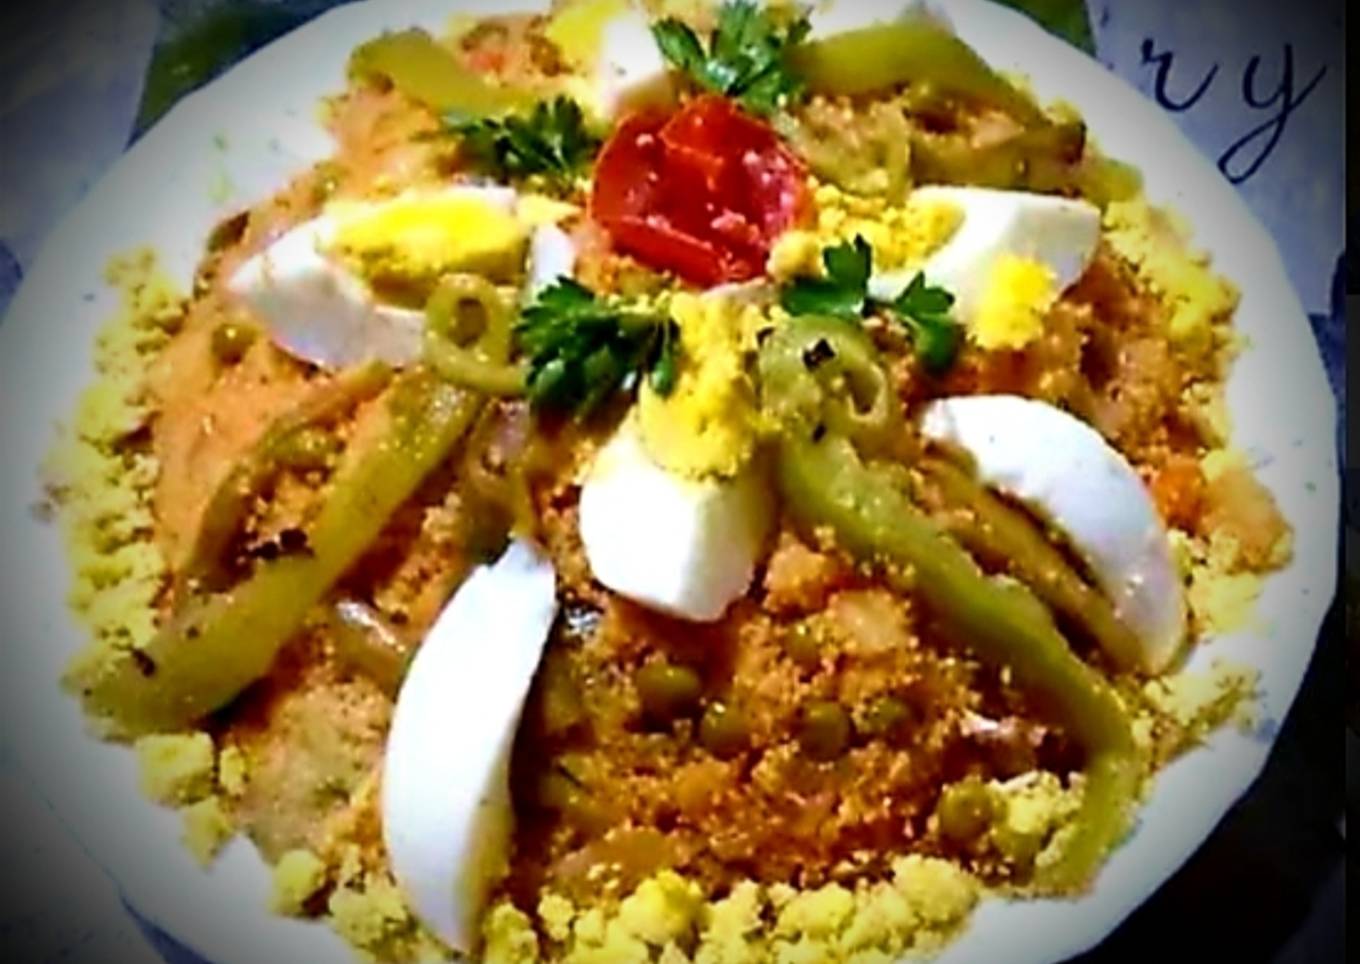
552	139
843	293
923	309
747	55
582	349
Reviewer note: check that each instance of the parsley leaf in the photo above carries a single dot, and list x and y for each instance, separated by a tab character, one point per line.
924	310
552	139
843	293
582	350
746	57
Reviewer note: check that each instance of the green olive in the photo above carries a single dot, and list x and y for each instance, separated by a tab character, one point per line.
723	730
308	449
668	691
966	810
231	340
885	717
824	731
802	644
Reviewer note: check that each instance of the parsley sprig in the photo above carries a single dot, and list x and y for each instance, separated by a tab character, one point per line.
746	57
923	309
552	140
582	349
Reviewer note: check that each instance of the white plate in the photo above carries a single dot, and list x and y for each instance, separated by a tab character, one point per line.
246	132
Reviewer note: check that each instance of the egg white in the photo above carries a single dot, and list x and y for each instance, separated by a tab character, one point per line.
446	812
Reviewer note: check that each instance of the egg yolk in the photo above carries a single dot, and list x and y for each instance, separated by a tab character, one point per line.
1010	313
707	426
411	242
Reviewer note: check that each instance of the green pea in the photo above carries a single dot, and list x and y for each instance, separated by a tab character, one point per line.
308	449
668	691
824	731
723	730
1019	846
966	810
802	645
231	340
886	717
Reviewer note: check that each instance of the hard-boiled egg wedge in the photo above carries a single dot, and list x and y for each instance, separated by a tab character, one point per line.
612	41
552	255
445	796
317	310
321	288
683	546
1014	233
1069	476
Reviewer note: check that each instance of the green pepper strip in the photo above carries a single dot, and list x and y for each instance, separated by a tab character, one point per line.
481	365
213	647
911	51
1043	159
426	71
226	512
995	531
826	484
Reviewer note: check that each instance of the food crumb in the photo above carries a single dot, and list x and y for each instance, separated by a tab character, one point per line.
1155	242
297	877
207	828
509	936
231	771
175	768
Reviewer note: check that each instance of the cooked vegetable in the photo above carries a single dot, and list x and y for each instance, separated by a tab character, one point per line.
214	646
843	292
723	730
207	566
468	336
966	810
366	642
1043	159
582	350
824	730
231	340
909	51
668	691
427	71
703	192
866	152
309	449
551	140
747	57
802	644
1004	536
825	483
886	717
838	386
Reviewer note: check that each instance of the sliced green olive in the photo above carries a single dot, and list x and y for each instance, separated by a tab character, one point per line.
966	810
668	691
723	730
